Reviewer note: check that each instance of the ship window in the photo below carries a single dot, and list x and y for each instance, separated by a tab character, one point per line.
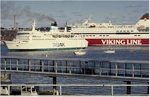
22	33
135	35
107	35
138	35
131	30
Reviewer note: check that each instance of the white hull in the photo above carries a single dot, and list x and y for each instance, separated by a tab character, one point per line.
46	44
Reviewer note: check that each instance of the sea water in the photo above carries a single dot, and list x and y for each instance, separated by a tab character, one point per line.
121	53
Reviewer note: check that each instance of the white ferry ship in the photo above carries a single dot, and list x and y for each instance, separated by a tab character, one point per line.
109	34
53	39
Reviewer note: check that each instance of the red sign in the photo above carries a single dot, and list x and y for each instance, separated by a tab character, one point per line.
121	42
118	41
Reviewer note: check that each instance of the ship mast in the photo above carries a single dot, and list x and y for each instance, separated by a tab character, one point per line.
33	26
14	22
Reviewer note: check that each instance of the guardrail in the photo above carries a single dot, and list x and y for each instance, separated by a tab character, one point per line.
122	69
60	87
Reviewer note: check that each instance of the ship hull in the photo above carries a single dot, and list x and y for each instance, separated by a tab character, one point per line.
45	45
45	49
118	42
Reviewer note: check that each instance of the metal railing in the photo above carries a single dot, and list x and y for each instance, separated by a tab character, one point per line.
60	87
138	70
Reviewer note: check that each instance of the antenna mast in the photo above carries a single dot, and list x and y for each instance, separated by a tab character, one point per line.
14	22
33	26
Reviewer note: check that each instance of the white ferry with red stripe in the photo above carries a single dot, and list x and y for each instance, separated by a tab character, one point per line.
110	34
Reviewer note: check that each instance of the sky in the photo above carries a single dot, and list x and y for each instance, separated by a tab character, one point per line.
45	12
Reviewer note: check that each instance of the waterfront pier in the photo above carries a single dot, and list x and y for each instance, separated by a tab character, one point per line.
123	70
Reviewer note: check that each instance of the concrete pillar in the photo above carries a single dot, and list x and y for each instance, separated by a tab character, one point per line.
70	68
9	90
60	91
128	88
41	66
10	64
55	91
99	67
55	67
148	88
116	69
9	76
140	71
53	64
54	83
125	66
81	71
17	64
5	63
109	68
132	70
94	67
29	64
67	66
112	90
30	89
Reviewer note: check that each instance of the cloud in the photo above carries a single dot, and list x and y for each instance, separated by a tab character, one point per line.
9	10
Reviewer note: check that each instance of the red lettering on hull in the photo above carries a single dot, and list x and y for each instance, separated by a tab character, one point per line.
118	41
